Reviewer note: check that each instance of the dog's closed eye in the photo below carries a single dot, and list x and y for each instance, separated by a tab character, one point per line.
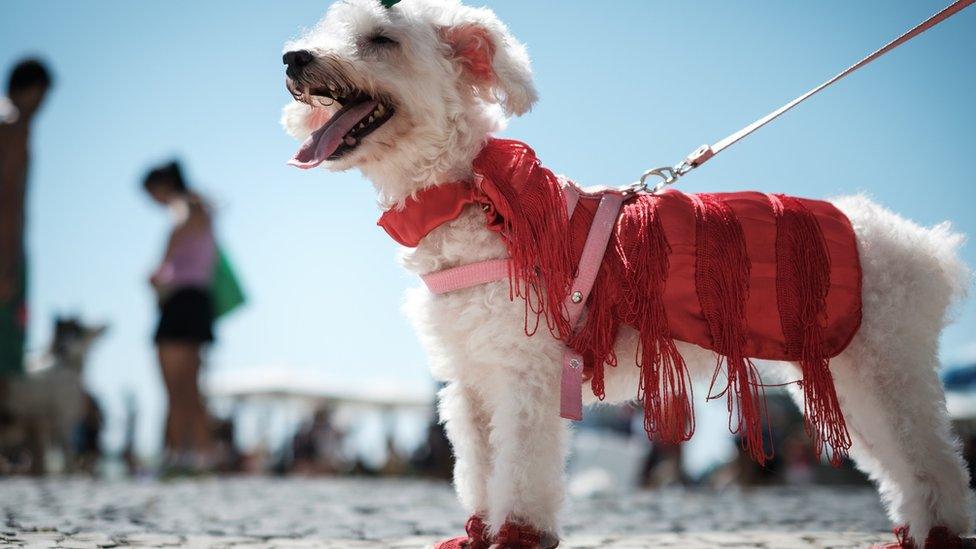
377	45
382	40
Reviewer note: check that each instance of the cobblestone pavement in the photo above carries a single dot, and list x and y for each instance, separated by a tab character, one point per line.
348	513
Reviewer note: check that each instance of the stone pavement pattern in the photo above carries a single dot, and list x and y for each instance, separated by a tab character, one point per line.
351	513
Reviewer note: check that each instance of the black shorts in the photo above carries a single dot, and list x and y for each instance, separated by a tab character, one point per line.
186	316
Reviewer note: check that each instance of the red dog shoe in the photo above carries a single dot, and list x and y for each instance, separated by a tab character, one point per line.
520	536
476	539
939	538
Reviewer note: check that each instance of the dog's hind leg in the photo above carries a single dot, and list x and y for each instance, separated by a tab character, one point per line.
529	440
895	411
887	380
467	425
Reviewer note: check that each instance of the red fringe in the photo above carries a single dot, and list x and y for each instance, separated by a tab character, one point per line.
630	289
802	283
722	282
528	202
665	385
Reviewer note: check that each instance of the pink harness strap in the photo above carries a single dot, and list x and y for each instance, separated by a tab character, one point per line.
483	272
571	384
572	198
593	250
466	276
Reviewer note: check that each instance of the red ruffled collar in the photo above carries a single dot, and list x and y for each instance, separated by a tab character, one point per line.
500	160
429	209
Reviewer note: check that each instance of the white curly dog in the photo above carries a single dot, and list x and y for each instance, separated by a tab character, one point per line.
397	92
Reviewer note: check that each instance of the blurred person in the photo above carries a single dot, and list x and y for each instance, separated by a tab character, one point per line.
228	457
662	465
969	454
129	454
27	86
799	467
183	283
316	446
434	457
396	465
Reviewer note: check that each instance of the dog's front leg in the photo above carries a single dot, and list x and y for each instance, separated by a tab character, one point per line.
466	422
501	404
529	441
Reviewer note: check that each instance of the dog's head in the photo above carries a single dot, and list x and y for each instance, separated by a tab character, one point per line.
72	339
412	88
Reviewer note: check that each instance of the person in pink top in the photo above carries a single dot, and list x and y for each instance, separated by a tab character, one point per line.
182	284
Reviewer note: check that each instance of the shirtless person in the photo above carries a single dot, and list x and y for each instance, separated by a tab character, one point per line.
28	84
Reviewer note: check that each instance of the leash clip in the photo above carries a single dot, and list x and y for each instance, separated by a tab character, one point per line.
670	174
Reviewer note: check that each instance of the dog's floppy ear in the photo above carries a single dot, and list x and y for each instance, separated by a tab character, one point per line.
491	59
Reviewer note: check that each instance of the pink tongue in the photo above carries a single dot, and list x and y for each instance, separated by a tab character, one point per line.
325	140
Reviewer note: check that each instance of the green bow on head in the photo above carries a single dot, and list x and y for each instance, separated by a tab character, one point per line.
388	3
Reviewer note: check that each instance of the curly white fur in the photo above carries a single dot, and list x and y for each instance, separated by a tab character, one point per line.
501	399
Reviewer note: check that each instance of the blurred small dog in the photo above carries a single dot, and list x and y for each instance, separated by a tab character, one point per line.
409	93
49	405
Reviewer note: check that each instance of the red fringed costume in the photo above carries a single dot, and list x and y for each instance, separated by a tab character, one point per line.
747	275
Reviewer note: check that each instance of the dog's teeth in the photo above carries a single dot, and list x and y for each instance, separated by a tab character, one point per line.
370	118
350	141
380	109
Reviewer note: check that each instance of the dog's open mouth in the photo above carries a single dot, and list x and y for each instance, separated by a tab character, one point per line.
345	130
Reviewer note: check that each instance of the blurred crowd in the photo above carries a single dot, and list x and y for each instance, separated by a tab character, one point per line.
47	418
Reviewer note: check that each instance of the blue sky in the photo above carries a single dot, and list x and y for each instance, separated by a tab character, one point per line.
622	89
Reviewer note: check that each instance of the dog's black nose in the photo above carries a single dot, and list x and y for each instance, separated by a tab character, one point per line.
296	61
